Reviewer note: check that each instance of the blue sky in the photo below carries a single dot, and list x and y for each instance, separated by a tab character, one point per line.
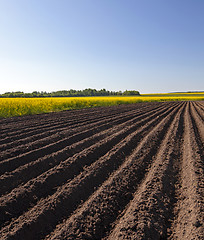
150	46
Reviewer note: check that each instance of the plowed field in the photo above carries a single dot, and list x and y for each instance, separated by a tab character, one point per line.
123	172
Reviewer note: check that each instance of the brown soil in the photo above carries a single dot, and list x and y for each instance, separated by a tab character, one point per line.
123	172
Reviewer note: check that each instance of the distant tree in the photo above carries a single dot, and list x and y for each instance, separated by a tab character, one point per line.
130	93
70	93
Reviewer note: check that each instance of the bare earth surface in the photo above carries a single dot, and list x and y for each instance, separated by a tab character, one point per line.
123	172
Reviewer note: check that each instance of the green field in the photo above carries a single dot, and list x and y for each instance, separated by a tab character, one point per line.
10	107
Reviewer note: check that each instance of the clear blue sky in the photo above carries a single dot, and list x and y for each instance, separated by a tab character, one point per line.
147	45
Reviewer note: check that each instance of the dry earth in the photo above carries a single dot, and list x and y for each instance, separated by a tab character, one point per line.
123	172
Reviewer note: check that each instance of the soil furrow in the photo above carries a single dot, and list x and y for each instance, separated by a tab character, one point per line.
49	136
148	215
43	120
12	179
198	124
29	126
65	170
76	138
55	138
121	172
201	106
94	218
189	212
65	139
46	137
198	110
55	128
31	223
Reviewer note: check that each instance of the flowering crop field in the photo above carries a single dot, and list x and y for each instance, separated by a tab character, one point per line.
10	107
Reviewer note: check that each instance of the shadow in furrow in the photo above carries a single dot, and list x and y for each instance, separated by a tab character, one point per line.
94	218
150	213
81	187
33	191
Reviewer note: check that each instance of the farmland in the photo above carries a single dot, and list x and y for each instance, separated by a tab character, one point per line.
121	172
10	107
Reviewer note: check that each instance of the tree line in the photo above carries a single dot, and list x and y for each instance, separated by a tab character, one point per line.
71	93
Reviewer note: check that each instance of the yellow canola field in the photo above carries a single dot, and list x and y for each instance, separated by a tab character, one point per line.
25	106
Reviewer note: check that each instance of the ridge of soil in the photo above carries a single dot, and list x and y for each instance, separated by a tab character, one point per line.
122	172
